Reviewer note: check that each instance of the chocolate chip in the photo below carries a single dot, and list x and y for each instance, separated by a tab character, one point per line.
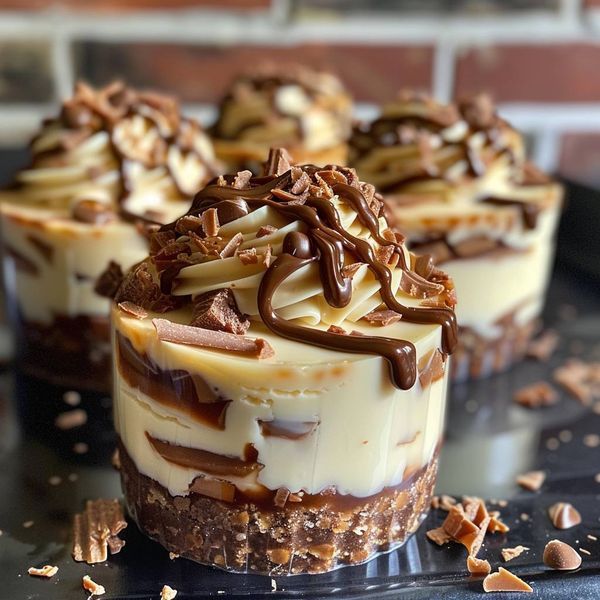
217	310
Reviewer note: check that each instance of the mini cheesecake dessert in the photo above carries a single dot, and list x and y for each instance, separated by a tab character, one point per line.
306	111
110	164
458	185
280	375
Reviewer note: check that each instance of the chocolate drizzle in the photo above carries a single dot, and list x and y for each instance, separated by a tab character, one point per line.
327	242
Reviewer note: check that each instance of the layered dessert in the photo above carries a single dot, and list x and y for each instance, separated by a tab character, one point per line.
111	164
280	375
460	188
308	112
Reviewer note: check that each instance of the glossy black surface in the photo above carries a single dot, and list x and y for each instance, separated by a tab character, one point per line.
489	441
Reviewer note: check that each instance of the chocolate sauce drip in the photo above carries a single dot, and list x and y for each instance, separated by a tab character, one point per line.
177	389
529	211
330	241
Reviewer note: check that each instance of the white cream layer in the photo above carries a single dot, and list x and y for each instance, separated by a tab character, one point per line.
369	432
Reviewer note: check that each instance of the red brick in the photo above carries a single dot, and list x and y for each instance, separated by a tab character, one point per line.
591	3
580	157
126	5
537	73
202	73
25	71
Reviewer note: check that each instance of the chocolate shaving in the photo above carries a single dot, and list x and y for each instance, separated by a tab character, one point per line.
505	581
510	553
561	556
564	515
532	481
248	256
351	269
439	536
205	338
133	309
536	395
432	370
278	162
478	566
140	288
231	246
93	212
242	179
110	280
210	222
183	225
94	528
414	285
382	317
265	230
218	311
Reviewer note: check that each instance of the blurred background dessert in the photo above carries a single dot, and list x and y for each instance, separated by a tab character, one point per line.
110	164
304	110
459	186
274	369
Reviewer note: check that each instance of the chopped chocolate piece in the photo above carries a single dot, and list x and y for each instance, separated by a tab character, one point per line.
71	419
161	239
301	184
183	225
416	286
94	528
281	497
213	488
217	310
382	317
457	525
242	179
291	198
478	566
505	581
564	515
543	346
337	329
210	222
168	593
133	309
205	338
277	163
439	536
248	256
45	571
510	553
532	480
423	266
231	246
95	589
384	254
140	288
265	230
536	395
432	370
561	556
93	212
110	280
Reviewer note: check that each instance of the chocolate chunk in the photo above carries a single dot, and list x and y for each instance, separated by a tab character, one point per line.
205	338
248	256
210	222
186	224
432	369
93	212
564	515
423	266
505	581
418	287
140	288
213	488
92	530
510	553
536	395
110	280
439	536
278	162
351	269
133	309
532	481
161	239
231	246
382	317
337	330
561	556
217	310
265	230
478	566
242	179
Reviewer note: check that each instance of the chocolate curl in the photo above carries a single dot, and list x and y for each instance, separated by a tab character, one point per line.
206	338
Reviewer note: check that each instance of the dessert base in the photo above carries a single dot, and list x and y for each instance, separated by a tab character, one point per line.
73	352
477	357
316	535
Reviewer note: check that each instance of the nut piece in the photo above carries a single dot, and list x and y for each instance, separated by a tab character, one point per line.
564	515
510	553
505	581
95	589
532	480
45	571
561	556
478	566
167	593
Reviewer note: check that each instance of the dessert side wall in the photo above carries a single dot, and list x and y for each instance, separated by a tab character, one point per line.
536	57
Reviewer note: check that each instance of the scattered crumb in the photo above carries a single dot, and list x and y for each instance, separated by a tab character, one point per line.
28	524
55	480
71	419
592	537
167	593
45	571
505	581
532	480
591	440
95	589
510	553
72	398
173	556
552	443
584	551
80	448
565	436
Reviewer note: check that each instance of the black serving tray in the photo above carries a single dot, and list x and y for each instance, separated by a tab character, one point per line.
489	441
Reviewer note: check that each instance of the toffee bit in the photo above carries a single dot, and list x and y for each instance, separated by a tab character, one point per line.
45	571
505	581
248	256
231	246
95	589
265	230
382	317
478	566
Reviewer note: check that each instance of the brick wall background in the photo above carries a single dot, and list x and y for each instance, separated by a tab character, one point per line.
539	58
